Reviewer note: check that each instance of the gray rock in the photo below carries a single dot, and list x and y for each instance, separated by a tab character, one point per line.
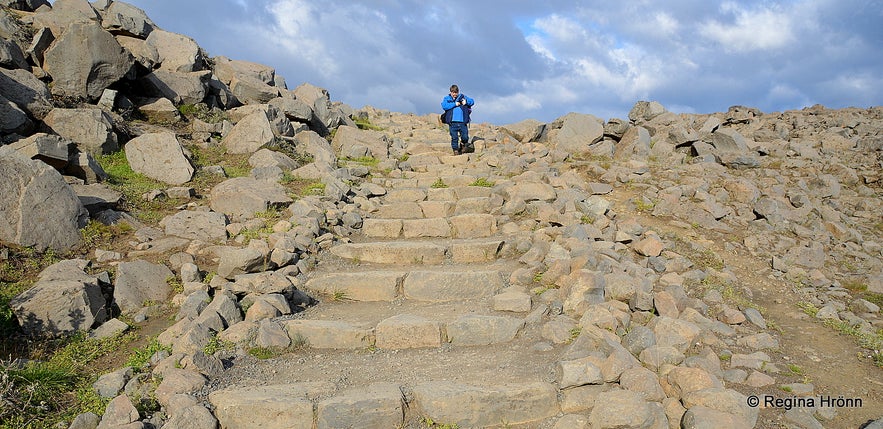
577	132
120	412
87	420
40	209
123	18
177	87
197	225
475	406
159	156
193	417
623	408
379	405
140	282
30	94
90	128
242	197
176	52
64	300
111	384
84	60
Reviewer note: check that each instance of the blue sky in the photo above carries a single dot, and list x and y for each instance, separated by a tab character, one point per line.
527	59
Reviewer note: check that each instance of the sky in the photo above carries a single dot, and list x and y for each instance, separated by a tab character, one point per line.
541	60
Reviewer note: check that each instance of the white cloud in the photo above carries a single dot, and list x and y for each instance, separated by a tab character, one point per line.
751	30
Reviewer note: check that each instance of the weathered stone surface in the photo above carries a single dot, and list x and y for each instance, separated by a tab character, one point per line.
439	286
362	286
286	406
119	413
577	132
196	225
392	252
626	409
406	331
90	128
159	156
64	300
177	53
353	142
379	405
525	131
139	282
478	330
242	197
474	406
329	334
30	94
40	209
84	60
249	134
123	18
177	87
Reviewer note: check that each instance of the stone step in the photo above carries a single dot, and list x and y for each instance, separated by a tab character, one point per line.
467	225
461	250
403	331
420	285
383	405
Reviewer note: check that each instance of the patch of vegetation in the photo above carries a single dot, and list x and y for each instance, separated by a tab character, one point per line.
808	308
202	112
368	161
644	205
299	187
133	186
729	292
482	182
96	234
262	352
140	358
215	345
234	165
365	124
55	384
872	342
875	298
701	257
439	183
854	286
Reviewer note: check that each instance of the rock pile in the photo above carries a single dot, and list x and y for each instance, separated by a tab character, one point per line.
544	281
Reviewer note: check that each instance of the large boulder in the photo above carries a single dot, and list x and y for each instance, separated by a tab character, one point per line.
242	197
226	70
26	91
177	53
64	300
577	132
13	119
123	18
84	61
353	142
90	128
64	13
39	209
179	87
159	156
250	134
140	283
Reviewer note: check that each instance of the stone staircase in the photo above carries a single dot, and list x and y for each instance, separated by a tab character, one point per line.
421	299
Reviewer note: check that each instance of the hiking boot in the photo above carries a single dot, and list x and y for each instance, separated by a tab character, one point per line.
457	151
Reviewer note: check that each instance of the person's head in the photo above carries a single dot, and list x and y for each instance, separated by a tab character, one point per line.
455	90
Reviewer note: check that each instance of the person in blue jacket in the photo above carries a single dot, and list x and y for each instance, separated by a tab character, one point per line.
457	109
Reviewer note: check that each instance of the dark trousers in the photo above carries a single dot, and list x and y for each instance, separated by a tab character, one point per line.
460	129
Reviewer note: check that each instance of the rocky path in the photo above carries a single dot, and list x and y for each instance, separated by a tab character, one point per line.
442	312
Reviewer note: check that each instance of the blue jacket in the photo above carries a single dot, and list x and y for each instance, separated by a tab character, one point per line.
456	113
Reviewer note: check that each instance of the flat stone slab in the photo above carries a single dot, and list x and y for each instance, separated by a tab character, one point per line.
488	406
441	286
480	330
402	253
285	406
361	286
329	334
407	331
379	405
480	250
